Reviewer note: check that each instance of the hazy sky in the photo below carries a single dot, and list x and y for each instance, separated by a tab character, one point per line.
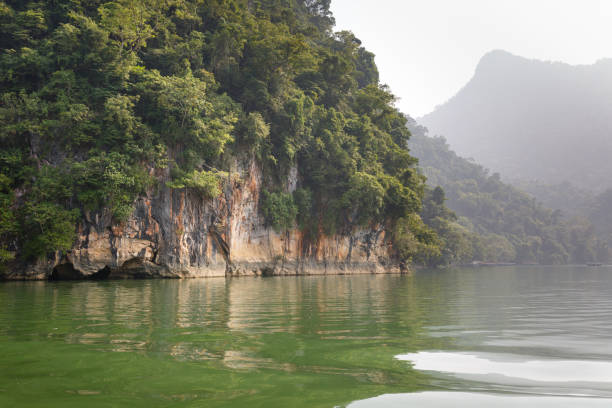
426	50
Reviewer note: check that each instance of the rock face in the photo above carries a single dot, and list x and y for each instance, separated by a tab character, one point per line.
179	234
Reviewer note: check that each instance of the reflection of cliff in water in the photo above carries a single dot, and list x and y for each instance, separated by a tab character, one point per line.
233	319
223	334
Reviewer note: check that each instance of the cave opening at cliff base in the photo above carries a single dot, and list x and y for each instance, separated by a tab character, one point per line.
67	271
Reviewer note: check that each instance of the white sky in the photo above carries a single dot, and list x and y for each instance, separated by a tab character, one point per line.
426	50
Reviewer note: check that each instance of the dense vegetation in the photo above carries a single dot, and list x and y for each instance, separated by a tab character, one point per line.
98	96
599	212
506	224
578	203
567	197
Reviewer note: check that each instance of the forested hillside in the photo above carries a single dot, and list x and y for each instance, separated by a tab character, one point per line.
576	202
100	98
511	226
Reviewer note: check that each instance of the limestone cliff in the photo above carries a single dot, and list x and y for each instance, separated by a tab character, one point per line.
176	233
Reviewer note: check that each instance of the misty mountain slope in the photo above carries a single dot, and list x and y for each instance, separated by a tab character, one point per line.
512	225
533	120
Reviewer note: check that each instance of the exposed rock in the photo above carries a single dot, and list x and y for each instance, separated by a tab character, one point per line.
179	234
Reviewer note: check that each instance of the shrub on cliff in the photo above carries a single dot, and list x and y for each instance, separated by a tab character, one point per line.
279	210
207	183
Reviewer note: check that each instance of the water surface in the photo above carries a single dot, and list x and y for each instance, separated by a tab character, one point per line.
512	336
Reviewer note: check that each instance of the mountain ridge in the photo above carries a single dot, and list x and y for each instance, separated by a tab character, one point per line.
532	119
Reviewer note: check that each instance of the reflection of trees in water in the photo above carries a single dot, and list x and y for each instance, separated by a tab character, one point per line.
155	314
334	305
352	325
334	333
183	315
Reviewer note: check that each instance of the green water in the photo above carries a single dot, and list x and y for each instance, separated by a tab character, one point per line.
306	341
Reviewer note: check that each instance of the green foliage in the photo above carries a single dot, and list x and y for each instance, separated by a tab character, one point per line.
44	223
414	241
185	115
364	198
207	183
127	22
303	200
8	219
500	249
599	211
254	134
455	241
399	200
109	180
279	210
47	227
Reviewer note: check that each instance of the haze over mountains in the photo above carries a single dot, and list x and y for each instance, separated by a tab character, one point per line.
510	225
532	120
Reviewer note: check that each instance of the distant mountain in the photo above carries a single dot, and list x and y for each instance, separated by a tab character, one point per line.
532	120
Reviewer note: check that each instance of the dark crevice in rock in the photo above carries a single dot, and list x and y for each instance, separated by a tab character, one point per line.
66	271
101	274
267	271
225	250
140	268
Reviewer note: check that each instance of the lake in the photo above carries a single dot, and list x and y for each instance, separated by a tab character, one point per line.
504	337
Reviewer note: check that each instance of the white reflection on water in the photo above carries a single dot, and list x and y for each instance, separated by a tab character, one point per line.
512	366
466	399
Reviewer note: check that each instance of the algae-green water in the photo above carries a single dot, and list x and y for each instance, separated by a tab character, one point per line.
506	336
